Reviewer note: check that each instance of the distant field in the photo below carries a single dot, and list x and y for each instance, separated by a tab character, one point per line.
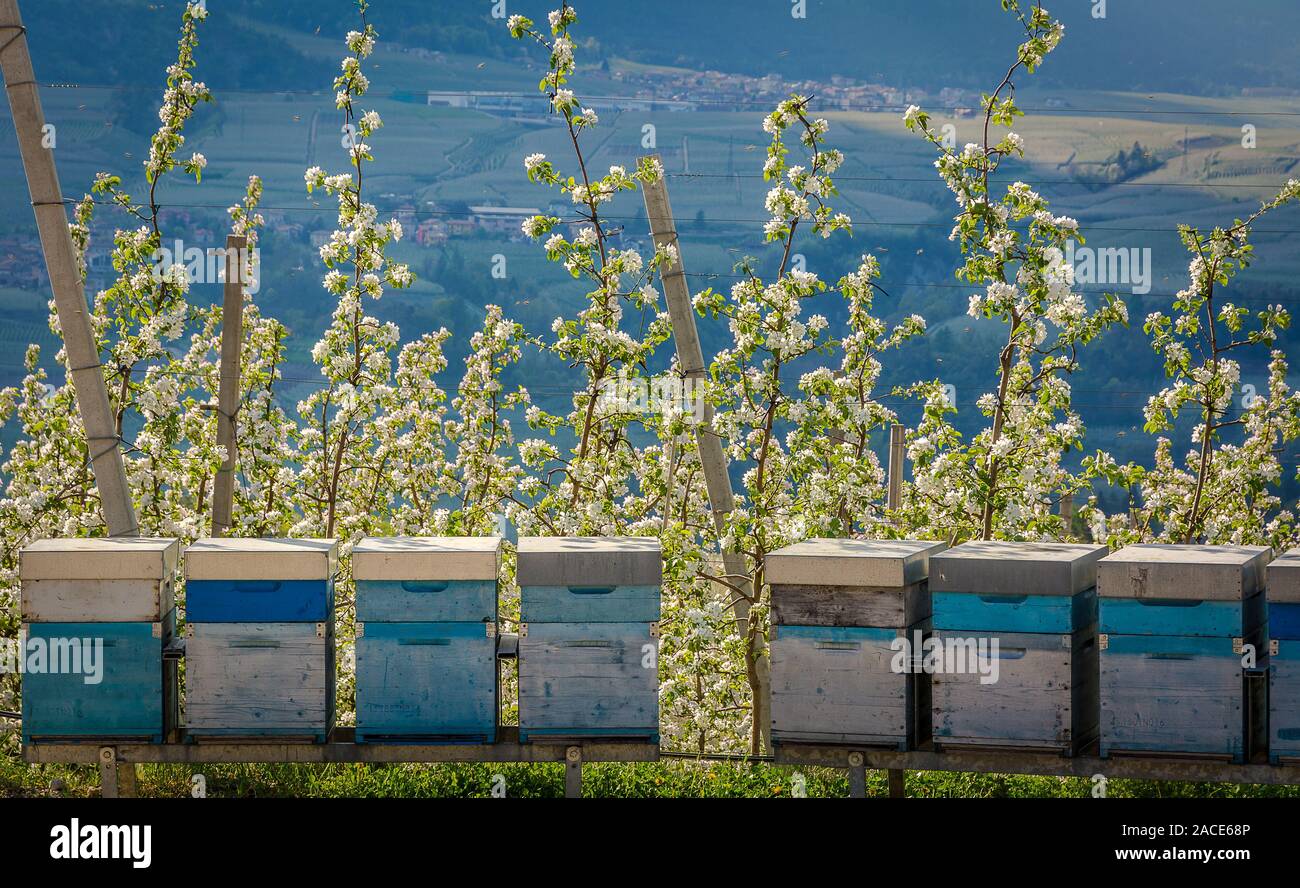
23	321
439	159
454	155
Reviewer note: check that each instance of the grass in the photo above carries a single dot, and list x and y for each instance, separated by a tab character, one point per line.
681	778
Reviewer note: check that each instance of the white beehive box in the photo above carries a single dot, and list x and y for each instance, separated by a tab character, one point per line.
100	580
235	558
427	579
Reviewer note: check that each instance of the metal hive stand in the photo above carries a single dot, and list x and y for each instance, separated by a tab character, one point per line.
1048	764
117	763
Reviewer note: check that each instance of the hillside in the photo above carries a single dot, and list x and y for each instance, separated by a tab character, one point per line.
1138	46
1130	165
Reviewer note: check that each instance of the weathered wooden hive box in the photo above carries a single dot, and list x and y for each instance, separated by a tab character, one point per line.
1284	657
1014	660
589	637
846	616
259	649
1174	624
97	617
427	639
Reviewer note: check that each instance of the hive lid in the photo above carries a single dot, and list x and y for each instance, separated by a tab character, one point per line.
235	558
590	561
834	562
1283	575
1199	573
99	558
993	567
427	558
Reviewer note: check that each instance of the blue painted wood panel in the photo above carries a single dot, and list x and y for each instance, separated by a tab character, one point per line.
1284	620
426	601
1181	617
588	680
1284	702
1172	694
127	701
259	601
433	681
589	604
838	685
973	612
1043	694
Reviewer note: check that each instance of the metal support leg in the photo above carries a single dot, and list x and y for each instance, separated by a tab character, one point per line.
573	772
116	778
107	773
126	781
857	776
897	783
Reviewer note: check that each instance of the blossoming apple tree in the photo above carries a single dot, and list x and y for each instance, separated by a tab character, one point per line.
1004	480
159	385
1225	489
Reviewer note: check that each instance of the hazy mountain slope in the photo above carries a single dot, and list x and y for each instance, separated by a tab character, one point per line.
1188	46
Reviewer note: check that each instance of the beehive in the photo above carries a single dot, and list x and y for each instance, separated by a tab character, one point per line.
427	639
589	645
1016	624
259	660
846	614
1175	625
1284	657
98	615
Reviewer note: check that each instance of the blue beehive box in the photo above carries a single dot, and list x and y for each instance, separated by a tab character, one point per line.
97	617
588	645
846	616
1175	622
1015	625
1284	657
259	638
427	639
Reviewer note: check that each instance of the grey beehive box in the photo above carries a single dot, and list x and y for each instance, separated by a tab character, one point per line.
835	562
427	558
1200	573
1284	578
590	561
99	580
993	567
